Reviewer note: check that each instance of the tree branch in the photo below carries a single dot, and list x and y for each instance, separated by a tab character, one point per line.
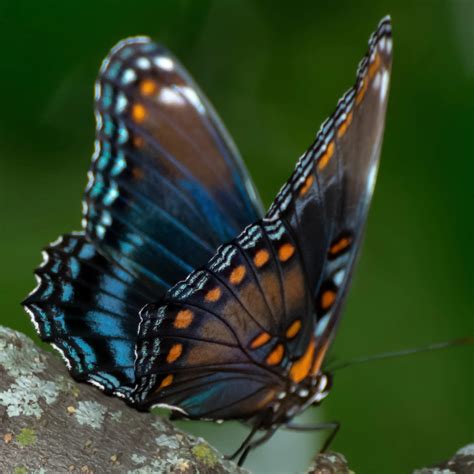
49	423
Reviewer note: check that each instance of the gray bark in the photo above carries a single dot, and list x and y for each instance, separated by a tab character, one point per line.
461	463
51	424
329	463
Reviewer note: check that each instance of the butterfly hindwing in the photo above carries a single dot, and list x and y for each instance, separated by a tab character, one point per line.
275	290
88	308
225	335
243	315
167	185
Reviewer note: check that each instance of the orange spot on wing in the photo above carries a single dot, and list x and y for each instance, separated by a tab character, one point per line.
174	353
340	245
137	173
285	252
300	369
307	184
294	329
327	155
260	340
374	66
342	129
327	299
183	319
349	118
139	113
261	258
361	93
138	142
148	87
344	126
166	381
276	355
237	275
319	358
213	295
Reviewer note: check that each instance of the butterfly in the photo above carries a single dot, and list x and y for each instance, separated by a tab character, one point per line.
180	291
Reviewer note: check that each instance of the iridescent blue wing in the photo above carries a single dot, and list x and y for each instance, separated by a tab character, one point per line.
167	185
263	311
87	307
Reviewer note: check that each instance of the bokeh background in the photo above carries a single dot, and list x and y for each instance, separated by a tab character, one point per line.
274	71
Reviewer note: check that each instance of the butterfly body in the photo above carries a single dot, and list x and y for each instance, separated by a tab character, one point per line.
179	291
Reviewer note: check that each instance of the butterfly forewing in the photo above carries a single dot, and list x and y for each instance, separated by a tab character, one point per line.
327	198
278	287
167	185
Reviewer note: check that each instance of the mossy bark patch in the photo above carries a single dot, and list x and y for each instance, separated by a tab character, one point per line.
205	454
20	470
26	437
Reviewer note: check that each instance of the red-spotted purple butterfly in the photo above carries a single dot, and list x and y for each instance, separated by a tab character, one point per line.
179	291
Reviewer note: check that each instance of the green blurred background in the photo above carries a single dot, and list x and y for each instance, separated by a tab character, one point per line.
274	71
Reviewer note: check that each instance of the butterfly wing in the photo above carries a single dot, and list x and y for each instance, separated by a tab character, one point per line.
265	308
219	343
326	200
166	187
85	305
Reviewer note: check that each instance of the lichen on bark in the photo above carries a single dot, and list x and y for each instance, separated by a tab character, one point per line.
51	424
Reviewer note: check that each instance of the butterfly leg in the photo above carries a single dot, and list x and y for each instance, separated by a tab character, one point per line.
258	423
332	425
255	444
245	443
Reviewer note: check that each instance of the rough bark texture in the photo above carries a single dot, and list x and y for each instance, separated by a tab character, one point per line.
461	463
50	424
334	463
329	463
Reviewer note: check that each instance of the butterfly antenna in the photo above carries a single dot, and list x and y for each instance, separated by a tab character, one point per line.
406	352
